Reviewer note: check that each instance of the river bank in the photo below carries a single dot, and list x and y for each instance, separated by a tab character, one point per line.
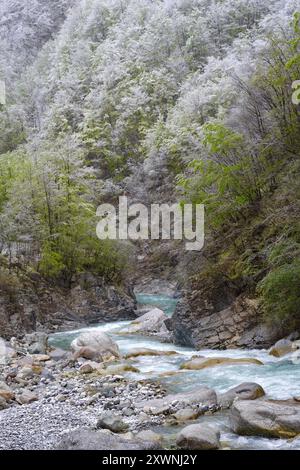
54	400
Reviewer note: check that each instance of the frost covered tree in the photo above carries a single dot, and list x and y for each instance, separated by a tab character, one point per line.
128	95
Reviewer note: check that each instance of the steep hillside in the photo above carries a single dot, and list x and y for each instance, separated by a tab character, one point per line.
165	101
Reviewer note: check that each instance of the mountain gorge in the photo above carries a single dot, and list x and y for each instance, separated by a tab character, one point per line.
164	101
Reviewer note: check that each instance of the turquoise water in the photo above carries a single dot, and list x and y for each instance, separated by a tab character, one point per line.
167	304
280	377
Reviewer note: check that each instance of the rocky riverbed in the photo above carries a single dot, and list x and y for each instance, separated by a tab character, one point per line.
118	391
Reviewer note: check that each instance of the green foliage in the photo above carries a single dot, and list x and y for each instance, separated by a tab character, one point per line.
9	284
170	82
51	264
225	183
52	198
280	294
284	252
71	254
221	140
12	133
295	45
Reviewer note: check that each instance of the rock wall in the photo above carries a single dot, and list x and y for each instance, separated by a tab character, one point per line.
35	305
226	322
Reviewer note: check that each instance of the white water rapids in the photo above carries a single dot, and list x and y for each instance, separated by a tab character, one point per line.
280	377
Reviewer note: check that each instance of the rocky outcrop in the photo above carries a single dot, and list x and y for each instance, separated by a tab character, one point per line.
198	437
94	301
266	418
218	318
32	304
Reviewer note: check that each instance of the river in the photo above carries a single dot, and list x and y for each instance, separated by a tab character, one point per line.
280	377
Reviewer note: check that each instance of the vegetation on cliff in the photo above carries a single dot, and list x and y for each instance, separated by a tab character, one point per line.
114	96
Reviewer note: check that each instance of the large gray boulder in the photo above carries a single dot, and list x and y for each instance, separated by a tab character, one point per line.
198	437
84	439
98	342
281	348
149	323
111	421
266	418
244	391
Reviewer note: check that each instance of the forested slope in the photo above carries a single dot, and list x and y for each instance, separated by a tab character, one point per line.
166	101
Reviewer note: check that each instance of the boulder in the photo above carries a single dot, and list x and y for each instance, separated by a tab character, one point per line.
148	352
244	391
28	372
26	397
25	361
199	363
202	397
186	414
266	418
86	369
149	323
296	344
112	422
281	348
58	354
37	343
198	437
47	374
88	353
85	439
91	366
7	394
98	342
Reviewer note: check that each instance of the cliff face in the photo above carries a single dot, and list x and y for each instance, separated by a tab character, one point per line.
200	325
32	304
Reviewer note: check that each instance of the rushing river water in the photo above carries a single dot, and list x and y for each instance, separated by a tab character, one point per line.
280	378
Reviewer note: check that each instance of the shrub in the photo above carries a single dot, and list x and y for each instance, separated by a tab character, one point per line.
280	294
